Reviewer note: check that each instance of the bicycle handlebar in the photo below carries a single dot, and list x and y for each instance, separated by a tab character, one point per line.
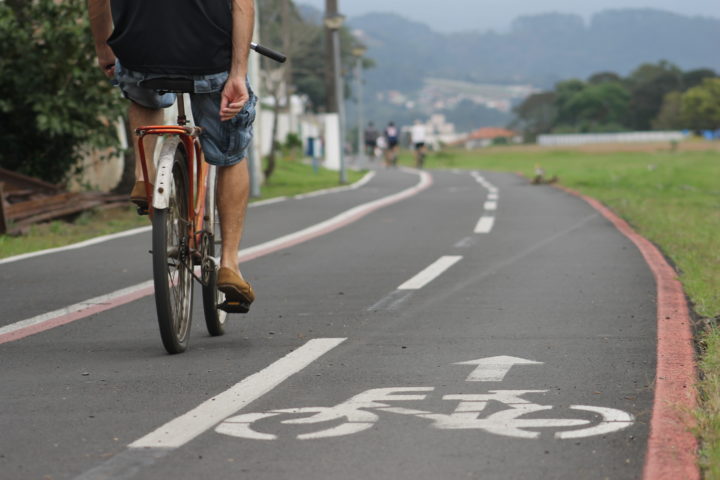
268	52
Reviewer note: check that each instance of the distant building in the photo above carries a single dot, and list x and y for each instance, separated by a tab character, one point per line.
484	137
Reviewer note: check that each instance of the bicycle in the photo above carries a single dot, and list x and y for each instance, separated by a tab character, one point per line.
182	208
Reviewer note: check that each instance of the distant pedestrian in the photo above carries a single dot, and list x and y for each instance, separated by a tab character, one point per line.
371	135
380	147
418	139
392	134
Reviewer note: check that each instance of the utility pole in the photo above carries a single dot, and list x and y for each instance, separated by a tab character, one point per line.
358	52
333	23
331	11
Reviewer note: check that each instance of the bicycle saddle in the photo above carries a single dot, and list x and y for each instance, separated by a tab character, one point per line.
169	84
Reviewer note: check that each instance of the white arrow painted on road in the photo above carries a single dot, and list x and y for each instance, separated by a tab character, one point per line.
494	369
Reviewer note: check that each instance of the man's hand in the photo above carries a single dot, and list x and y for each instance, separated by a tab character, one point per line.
234	97
106	61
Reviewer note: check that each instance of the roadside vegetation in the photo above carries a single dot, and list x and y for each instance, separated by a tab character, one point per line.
290	178
670	194
653	97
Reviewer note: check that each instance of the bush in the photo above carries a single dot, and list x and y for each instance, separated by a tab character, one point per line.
53	99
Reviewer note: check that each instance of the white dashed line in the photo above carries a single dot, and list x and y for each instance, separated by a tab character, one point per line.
430	273
485	225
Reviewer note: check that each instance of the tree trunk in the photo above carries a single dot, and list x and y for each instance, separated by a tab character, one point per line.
270	168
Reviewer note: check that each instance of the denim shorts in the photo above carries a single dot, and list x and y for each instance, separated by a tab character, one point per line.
224	143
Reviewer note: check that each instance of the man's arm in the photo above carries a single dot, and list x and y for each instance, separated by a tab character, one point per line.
235	93
101	26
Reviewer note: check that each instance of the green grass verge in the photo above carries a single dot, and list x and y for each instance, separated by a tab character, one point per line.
293	177
289	178
671	198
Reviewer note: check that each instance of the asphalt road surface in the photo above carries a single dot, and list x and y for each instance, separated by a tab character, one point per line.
473	326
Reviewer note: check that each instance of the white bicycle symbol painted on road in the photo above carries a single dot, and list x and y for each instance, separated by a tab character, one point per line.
361	412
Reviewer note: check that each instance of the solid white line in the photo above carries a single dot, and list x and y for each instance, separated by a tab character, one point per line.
86	243
269	201
491	205
360	183
485	225
430	273
183	429
135	231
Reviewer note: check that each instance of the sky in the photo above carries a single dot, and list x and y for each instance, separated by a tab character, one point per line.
461	15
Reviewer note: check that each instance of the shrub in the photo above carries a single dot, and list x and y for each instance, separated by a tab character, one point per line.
53	99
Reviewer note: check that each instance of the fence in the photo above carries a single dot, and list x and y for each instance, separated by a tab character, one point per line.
628	137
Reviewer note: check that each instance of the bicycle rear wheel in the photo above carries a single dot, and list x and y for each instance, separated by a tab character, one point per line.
172	261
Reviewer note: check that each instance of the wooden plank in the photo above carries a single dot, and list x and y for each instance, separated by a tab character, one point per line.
33	207
15	180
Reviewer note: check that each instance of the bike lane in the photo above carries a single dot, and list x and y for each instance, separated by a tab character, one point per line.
552	285
532	356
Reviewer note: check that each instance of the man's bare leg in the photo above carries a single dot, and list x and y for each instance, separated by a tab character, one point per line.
233	190
140	116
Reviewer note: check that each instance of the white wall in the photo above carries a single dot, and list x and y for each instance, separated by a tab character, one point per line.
629	137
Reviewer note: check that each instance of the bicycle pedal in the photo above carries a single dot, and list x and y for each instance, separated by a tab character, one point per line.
143	211
234	307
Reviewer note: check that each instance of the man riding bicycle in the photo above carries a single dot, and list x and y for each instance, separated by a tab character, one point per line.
207	41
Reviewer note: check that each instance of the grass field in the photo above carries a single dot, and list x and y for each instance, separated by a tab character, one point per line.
669	195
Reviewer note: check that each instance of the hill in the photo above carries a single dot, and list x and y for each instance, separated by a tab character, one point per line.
538	49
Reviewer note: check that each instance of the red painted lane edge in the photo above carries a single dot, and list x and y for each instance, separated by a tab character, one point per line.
425	182
72	316
672	448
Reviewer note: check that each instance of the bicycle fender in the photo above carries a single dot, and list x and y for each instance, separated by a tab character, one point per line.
163	177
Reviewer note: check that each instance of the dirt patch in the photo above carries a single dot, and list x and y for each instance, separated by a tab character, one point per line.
652	147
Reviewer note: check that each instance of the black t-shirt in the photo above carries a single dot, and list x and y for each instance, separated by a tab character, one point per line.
173	36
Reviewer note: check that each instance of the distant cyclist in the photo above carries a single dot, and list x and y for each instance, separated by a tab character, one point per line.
371	135
208	41
392	135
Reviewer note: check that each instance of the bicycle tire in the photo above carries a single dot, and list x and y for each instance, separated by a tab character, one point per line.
212	297
172	262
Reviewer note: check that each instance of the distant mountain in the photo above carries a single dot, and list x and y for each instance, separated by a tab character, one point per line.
538	50
310	14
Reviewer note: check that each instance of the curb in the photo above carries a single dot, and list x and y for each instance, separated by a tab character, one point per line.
672	447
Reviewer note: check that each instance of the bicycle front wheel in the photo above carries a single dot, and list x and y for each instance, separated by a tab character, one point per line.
172	261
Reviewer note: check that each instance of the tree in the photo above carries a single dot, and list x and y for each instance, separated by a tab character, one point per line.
281	24
536	115
604	77
648	85
671	114
600	105
279	21
701	105
693	78
564	93
53	100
